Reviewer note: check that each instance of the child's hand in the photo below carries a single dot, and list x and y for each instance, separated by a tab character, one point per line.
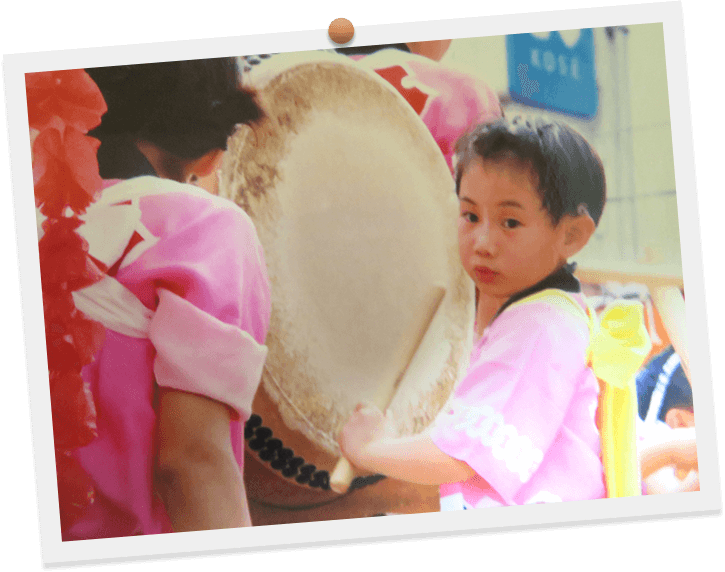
684	452
366	425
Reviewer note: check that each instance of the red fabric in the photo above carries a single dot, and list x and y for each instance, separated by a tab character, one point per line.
135	239
394	76
62	107
69	95
65	169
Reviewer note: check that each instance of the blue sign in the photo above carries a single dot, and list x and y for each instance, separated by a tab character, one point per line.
554	71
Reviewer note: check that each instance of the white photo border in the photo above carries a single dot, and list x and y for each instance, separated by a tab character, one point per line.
708	500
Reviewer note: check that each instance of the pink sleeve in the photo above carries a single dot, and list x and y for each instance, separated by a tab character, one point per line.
199	354
506	413
206	279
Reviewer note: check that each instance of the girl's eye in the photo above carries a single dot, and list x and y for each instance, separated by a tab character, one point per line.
511	223
470	217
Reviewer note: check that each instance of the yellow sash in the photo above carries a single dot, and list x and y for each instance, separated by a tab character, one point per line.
618	345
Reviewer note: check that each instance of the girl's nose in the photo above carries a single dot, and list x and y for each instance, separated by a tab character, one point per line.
485	240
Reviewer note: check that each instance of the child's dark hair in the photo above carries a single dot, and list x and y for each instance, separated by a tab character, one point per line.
570	172
186	108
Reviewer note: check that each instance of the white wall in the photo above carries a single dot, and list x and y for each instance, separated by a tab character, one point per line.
639	230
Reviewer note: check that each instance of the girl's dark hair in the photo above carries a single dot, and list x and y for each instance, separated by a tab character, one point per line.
570	172
186	108
366	50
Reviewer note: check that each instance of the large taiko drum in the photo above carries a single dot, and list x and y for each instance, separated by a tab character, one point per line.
356	211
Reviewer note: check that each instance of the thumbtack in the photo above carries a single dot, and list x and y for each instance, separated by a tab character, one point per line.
341	31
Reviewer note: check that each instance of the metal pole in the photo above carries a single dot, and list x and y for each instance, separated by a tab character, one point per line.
626	143
623	138
614	72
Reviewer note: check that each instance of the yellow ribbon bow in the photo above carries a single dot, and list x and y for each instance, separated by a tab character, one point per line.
617	350
618	346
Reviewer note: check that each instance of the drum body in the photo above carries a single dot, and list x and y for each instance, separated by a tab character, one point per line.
356	210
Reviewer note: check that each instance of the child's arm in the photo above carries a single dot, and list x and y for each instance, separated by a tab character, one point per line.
680	452
368	441
197	475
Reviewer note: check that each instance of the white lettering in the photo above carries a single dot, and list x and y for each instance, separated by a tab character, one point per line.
489	427
495	432
549	62
575	68
531	462
535	59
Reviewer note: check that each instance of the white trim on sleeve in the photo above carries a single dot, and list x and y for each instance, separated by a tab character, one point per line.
115	306
197	353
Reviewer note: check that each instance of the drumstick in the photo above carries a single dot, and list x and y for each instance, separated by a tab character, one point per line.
671	306
343	473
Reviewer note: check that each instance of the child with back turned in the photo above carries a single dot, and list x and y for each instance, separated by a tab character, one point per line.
520	426
177	288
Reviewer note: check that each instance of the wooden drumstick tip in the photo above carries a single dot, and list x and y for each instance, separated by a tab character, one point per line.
341	476
343	473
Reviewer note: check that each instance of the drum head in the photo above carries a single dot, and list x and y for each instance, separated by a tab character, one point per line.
356	210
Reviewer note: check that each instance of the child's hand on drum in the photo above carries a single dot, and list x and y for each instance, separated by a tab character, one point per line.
366	425
684	450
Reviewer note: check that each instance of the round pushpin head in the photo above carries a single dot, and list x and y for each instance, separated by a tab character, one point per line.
341	31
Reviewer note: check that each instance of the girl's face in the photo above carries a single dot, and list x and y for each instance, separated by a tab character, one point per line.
506	239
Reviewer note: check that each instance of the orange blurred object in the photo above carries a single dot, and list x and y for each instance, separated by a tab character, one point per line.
341	31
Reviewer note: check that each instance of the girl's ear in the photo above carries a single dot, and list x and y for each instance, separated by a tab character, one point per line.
577	232
204	165
167	166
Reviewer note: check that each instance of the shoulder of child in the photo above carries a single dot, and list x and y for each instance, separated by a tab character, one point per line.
178	204
552	310
535	327
147	186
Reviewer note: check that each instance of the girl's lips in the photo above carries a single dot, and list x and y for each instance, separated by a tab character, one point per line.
485	275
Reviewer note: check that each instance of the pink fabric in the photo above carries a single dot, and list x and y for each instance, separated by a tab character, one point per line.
205	276
523	417
449	102
199	354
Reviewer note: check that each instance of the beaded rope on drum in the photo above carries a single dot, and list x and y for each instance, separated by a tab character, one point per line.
282	459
